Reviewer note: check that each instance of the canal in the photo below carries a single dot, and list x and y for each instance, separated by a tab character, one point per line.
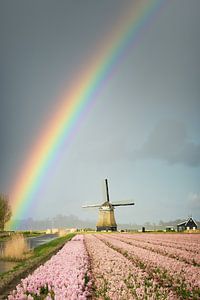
32	243
41	239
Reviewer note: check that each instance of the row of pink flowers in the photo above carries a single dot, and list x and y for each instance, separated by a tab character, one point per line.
168	250
179	273
116	277
187	242
65	276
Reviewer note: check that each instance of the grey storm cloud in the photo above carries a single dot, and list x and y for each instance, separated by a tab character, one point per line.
193	201
169	141
104	149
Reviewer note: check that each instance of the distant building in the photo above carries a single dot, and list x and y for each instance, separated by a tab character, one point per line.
52	231
169	228
61	231
72	230
189	224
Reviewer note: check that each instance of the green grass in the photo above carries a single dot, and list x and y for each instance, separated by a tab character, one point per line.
47	247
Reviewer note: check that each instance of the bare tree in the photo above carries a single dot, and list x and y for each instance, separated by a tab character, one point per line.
5	210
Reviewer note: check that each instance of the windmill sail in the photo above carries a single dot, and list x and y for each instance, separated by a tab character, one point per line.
107	193
123	203
91	205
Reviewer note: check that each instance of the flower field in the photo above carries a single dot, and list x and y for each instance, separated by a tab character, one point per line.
64	276
118	266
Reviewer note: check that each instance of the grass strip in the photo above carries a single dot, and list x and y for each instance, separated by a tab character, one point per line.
40	254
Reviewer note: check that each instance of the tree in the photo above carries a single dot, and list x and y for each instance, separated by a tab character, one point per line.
5	210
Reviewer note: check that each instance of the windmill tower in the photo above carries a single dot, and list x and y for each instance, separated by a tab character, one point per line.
106	220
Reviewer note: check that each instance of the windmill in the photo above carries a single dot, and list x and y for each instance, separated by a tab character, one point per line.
106	220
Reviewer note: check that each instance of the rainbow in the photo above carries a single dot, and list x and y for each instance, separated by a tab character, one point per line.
75	103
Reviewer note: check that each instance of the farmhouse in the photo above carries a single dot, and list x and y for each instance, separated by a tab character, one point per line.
187	225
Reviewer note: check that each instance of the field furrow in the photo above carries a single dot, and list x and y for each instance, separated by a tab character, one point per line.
116	277
179	276
161	240
181	255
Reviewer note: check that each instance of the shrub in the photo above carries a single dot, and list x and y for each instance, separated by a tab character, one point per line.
16	247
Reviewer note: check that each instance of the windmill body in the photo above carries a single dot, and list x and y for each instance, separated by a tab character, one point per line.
106	219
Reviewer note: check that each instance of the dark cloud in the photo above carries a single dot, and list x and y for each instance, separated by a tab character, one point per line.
169	142
104	149
194	201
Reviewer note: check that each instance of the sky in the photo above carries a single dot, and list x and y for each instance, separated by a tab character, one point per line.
143	130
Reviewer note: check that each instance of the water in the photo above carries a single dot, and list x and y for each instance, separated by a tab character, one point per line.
39	240
32	242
